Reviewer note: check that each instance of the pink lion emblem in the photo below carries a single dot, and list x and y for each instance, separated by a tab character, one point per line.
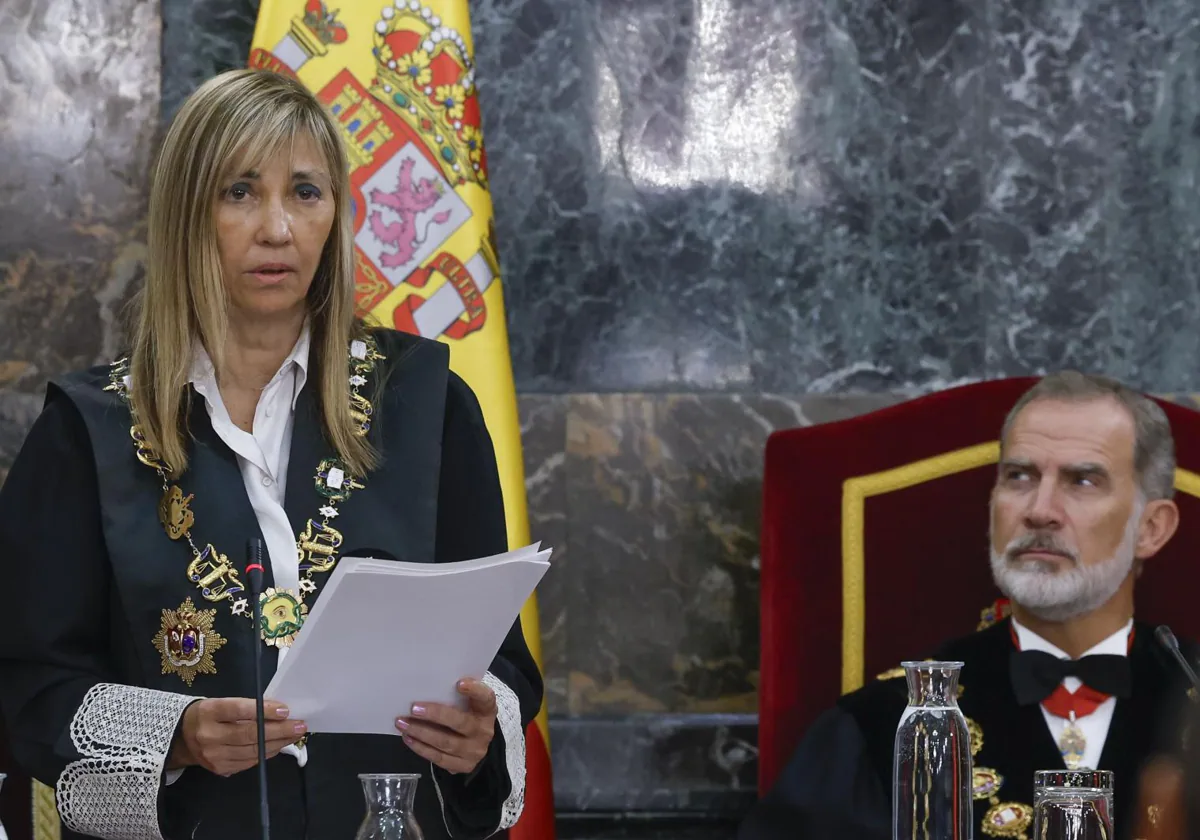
408	202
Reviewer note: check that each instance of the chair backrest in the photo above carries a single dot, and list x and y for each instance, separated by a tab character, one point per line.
874	547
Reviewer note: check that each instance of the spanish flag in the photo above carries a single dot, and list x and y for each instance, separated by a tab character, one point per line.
399	75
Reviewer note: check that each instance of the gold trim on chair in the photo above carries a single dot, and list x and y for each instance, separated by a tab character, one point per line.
1187	482
855	492
46	824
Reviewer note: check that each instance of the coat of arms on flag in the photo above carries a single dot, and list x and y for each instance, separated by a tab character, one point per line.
399	77
417	162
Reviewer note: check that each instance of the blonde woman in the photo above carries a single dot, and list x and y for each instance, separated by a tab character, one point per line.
251	404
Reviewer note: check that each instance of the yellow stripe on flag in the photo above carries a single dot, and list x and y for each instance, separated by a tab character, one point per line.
399	76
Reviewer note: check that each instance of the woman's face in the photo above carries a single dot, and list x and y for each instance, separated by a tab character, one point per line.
272	224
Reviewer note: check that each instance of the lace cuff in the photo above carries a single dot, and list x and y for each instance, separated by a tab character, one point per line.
508	714
123	734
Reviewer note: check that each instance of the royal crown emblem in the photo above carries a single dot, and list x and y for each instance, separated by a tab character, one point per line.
402	90
323	23
425	74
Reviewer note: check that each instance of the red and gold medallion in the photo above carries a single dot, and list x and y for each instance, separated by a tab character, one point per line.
187	641
1008	819
985	782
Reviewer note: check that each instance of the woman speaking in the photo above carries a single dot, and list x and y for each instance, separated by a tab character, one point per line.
252	403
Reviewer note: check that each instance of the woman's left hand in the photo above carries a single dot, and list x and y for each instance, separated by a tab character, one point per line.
451	738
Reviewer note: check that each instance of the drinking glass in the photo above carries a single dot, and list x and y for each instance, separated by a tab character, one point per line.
1073	805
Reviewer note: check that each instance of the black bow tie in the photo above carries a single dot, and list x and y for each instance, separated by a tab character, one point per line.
1035	674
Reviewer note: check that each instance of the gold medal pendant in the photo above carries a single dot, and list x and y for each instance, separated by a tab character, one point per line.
186	641
1072	744
985	782
1008	819
282	617
174	514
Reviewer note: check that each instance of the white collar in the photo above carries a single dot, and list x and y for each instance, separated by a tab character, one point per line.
202	373
1117	644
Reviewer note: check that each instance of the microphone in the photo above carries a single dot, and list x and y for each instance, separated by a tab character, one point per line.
254	576
1167	639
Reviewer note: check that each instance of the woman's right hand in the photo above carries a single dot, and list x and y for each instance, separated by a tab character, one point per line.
221	735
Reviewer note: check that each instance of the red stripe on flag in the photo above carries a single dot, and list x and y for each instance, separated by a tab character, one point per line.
537	820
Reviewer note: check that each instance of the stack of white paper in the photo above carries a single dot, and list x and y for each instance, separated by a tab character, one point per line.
384	635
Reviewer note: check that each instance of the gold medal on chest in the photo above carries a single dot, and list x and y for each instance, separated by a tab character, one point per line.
174	514
1002	819
1008	819
283	615
317	545
186	641
985	782
1072	744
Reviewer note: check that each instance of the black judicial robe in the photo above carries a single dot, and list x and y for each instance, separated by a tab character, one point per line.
87	571
838	783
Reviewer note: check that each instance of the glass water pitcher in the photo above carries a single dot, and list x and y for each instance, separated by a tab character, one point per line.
931	771
389	807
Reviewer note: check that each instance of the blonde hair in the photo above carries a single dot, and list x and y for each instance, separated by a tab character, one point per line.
238	118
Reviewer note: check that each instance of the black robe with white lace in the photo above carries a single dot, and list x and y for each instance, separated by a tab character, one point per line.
87	571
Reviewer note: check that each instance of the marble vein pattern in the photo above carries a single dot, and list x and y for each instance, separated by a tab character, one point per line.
652	503
78	115
797	197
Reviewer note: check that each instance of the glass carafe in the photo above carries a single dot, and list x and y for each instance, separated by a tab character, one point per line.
389	807
931	771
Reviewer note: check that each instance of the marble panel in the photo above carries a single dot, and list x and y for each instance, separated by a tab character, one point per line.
543	439
1092	213
737	196
845	197
642	827
692	764
78	116
662	508
199	41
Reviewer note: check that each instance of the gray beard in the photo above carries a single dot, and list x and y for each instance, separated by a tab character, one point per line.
1061	594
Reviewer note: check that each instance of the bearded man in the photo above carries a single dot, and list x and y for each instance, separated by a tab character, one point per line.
1082	499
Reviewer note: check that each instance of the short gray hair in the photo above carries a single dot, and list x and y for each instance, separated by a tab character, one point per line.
1153	444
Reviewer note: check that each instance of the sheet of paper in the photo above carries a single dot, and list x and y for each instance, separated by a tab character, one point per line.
384	635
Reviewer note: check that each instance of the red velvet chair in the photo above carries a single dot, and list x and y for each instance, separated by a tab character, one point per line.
874	548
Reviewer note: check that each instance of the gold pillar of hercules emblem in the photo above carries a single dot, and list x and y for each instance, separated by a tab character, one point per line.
215	575
317	546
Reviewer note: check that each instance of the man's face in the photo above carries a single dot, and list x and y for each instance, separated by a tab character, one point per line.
1066	509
